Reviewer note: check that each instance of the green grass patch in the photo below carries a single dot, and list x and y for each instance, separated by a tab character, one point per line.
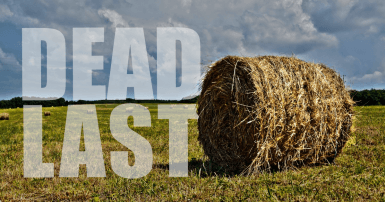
357	174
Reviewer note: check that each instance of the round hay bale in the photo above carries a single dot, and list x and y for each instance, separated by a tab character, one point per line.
4	116
47	113
259	113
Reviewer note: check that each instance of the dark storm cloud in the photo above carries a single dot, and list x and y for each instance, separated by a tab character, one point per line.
310	29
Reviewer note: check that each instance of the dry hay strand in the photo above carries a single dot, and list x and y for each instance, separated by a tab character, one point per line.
262	113
4	116
47	113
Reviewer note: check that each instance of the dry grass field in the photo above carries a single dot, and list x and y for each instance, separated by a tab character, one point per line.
357	174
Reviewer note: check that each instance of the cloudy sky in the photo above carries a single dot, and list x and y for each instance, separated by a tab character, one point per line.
347	35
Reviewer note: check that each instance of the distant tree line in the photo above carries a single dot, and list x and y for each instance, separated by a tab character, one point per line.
362	98
368	97
18	102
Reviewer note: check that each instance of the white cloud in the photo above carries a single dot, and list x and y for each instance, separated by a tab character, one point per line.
373	29
9	62
375	77
289	31
5	12
350	59
244	27
13	13
345	15
115	18
171	23
186	2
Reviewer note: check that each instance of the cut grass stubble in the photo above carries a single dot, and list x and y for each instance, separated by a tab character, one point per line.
358	172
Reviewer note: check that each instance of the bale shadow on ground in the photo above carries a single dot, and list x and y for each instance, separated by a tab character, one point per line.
207	168
202	168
